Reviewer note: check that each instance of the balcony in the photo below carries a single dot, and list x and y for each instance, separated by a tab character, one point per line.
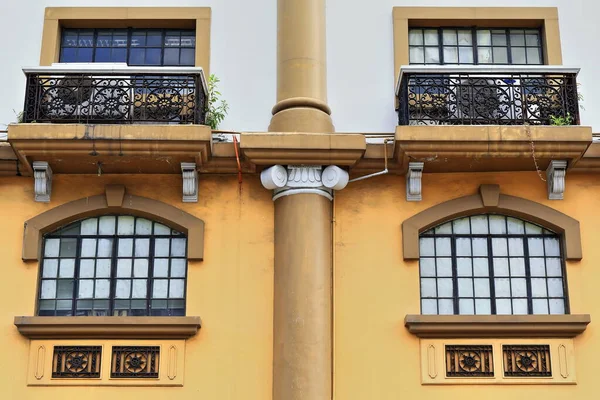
114	94
487	95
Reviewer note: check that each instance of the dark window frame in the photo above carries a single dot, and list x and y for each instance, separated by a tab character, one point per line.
474	29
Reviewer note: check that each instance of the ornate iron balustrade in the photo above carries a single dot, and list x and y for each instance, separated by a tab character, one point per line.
115	95
497	95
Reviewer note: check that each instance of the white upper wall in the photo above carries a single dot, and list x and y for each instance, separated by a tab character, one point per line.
244	34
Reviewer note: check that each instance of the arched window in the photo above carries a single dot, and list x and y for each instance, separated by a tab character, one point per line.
491	264
113	265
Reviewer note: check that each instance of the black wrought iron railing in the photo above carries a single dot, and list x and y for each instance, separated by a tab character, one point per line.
488	96
126	95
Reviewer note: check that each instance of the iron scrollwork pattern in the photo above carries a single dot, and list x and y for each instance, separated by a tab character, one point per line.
466	361
76	362
527	361
135	361
118	99
487	99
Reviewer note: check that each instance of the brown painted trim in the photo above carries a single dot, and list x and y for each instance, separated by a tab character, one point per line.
507	205
108	327
97	205
477	326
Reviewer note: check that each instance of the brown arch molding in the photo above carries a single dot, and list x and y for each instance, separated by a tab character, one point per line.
114	201
490	201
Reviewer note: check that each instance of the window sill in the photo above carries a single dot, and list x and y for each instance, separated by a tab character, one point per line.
108	327
477	326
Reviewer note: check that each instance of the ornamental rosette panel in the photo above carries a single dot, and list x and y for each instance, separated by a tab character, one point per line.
527	361
469	361
76	361
135	362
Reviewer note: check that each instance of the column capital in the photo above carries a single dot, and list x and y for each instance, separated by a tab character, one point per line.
297	179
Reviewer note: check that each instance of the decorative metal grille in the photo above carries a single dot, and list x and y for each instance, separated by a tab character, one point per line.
114	98
527	360
474	98
135	361
76	361
469	361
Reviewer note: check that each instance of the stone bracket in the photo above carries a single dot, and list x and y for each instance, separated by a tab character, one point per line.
42	174
413	181
190	182
555	178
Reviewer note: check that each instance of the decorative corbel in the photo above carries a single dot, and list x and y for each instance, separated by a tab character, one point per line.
555	178
190	182
413	181
42	174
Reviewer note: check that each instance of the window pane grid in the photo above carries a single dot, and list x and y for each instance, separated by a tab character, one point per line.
108	269
517	280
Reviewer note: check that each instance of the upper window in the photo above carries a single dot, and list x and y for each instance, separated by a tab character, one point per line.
113	265
162	47
491	264
475	46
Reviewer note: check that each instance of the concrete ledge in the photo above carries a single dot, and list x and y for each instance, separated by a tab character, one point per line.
108	327
477	326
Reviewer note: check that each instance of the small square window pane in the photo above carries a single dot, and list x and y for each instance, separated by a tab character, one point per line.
465	55
68	55
143	226
123	289
519	307
519	287
125	225
431	36
483	307
484	38
537	267
154	38
428	287
103	268
464	267
536	247
67	268
445	307
86	289
502	287
428	307
161	247
449	37
187	57
178	267
426	267
50	268
160	229
171	56
480	267
432	55
140	268
160	288
64	289
48	289
554	267
85	55
517	267
499	38
463	246
466	307
540	306
501	267
104	247
89	226
500	55
64	305
552	246
442	247
538	287
415	37
102	55
515	226
178	247
517	38
532	39
107	225
555	287
465	38
52	247
69	39
450	55
153	56
137	56
533	56
497	225
102	289
503	307
88	248
161	267
445	287
417	55
444	228
176	288
482	287
142	247
68	247
499	247
125	247
480	247
532	229
426	247
518	55
465	287
461	226
138	39
444	267
47	304
139	289
557	306
124	268
479	225
484	55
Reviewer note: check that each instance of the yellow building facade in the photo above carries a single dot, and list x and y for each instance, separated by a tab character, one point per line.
304	249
